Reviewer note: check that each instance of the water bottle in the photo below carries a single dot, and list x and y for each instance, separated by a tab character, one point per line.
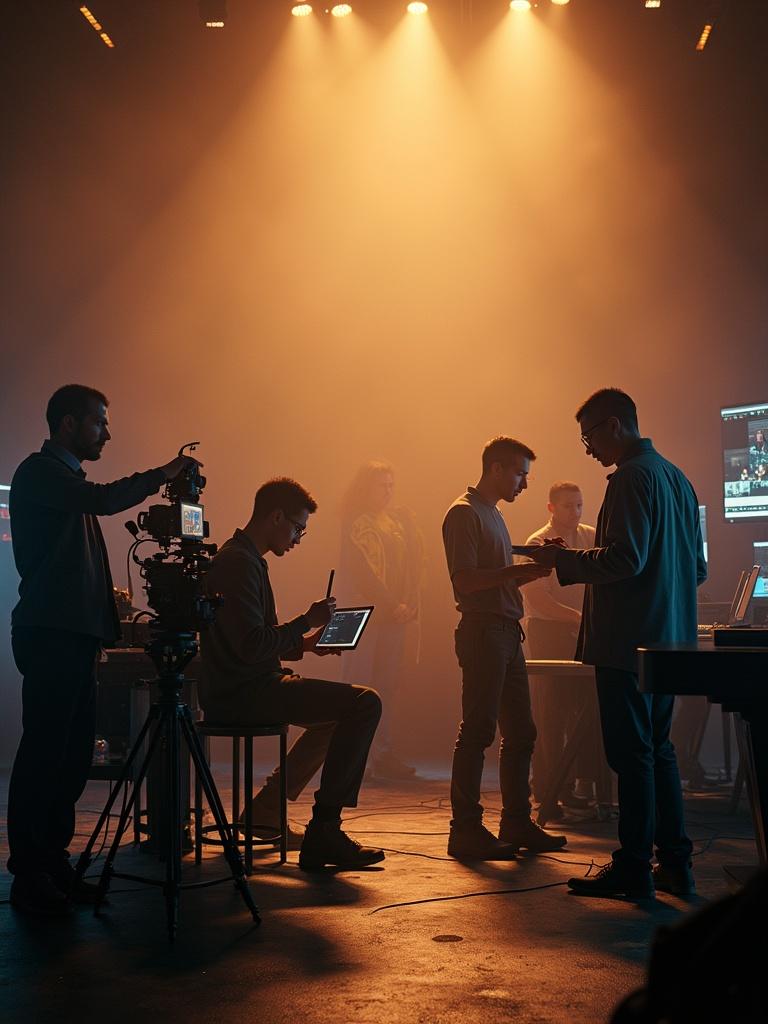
100	751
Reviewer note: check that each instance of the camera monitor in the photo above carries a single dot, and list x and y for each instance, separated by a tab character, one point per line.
192	521
346	627
760	550
703	522
745	461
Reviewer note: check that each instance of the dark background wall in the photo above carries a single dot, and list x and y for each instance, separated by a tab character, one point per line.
308	243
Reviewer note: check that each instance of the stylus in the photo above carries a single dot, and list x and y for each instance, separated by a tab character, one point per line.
330	584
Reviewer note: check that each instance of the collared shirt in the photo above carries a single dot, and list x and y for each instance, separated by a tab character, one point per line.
58	545
244	643
547	598
645	567
475	536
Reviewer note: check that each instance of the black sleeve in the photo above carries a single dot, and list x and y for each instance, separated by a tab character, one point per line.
48	482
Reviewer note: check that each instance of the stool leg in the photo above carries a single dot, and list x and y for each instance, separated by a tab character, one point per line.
199	807
235	786
283	799
248	797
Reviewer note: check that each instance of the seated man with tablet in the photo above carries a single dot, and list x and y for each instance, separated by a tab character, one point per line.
244	680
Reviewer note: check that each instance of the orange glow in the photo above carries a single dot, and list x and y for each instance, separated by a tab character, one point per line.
520	5
705	34
301	10
107	40
417	8
214	24
560	3
653	3
341	10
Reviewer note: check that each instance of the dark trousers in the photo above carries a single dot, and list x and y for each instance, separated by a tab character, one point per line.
635	729
494	692
56	748
341	721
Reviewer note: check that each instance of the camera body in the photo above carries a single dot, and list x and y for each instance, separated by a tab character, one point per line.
174	577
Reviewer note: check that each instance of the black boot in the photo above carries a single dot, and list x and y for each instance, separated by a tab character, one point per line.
325	844
614	880
528	835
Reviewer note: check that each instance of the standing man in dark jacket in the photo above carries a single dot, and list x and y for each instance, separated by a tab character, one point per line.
641	581
65	615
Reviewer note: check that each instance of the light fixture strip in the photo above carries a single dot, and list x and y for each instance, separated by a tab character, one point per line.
95	24
705	34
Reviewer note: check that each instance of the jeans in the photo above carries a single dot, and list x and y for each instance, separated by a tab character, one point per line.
56	748
494	692
341	722
635	730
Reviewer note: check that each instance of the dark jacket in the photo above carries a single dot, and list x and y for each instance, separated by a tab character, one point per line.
244	643
645	567
58	545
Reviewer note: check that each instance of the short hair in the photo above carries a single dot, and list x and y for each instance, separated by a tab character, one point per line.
503	449
609	402
283	493
561	487
71	400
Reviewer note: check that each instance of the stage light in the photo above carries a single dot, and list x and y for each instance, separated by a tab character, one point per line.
213	13
520	5
301	10
652	3
93	21
705	34
341	10
560	3
417	7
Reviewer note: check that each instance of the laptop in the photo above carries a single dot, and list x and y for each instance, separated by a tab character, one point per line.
737	614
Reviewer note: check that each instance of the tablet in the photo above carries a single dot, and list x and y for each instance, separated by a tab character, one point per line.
346	627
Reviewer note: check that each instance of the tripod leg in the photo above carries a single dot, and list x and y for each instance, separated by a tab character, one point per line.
229	846
85	858
173	823
125	815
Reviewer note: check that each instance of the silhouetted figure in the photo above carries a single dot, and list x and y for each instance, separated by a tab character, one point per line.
758	454
553	617
641	581
66	614
244	680
489	650
382	563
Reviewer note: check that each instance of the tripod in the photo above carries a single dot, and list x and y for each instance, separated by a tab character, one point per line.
168	724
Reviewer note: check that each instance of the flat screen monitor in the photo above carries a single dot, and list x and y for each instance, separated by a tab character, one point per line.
703	521
760	553
5	515
745	461
192	520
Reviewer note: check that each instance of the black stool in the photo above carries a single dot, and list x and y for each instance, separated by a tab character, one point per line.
246	733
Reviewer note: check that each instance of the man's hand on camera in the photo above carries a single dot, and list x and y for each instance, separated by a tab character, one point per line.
320	612
309	645
527	572
175	466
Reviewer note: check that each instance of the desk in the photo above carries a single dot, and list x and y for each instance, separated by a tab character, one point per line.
736	678
603	783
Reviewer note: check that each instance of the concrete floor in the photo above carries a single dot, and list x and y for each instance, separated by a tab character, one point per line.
342	948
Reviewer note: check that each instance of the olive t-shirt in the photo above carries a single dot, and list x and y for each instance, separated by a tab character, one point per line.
476	537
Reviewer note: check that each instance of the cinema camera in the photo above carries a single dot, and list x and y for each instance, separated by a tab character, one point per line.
174	577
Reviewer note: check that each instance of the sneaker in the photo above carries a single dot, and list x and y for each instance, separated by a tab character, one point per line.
36	893
475	842
526	834
676	879
325	844
613	880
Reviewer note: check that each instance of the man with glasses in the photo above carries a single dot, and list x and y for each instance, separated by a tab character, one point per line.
244	679
641	581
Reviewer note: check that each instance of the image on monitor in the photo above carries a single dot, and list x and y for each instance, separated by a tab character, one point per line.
760	557
703	522
745	461
192	524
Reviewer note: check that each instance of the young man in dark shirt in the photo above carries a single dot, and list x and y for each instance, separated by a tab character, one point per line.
244	679
65	615
641	581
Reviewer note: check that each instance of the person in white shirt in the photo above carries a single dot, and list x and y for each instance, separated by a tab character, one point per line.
553	617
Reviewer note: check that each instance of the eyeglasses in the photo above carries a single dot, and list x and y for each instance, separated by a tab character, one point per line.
299	529
585	436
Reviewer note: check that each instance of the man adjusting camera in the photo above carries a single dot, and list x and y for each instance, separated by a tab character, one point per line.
244	679
66	614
